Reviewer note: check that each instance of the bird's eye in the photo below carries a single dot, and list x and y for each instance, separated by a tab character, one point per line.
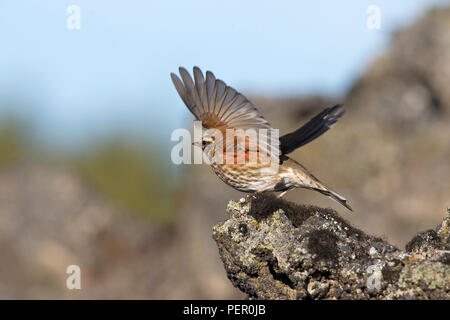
204	142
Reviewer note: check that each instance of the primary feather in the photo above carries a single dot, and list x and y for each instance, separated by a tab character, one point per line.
311	130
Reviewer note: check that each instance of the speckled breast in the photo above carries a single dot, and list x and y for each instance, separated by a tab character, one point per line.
245	177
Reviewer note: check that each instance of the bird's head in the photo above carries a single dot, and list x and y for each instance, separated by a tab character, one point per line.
205	142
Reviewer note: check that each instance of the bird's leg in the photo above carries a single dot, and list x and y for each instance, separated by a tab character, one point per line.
251	195
282	194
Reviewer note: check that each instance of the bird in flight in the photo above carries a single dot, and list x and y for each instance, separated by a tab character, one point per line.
220	107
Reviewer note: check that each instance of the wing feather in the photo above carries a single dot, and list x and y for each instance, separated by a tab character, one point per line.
218	105
311	130
208	97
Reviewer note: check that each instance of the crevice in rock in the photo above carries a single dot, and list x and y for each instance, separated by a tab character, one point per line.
279	276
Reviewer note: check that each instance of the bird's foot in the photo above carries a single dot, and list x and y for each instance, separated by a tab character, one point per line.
252	195
282	194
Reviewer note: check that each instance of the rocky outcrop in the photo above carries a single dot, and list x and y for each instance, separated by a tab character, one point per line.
274	249
409	83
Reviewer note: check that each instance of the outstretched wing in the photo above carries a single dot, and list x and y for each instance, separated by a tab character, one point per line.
217	105
311	130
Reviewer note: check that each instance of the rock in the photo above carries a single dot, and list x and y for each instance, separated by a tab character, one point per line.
409	83
274	249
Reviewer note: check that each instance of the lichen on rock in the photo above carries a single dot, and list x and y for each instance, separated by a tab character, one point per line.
274	249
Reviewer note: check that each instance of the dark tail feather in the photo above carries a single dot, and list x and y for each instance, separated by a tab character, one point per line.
336	197
311	130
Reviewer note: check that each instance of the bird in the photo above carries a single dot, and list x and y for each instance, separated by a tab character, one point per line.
222	108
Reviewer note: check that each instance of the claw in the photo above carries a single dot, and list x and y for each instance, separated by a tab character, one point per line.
251	196
282	194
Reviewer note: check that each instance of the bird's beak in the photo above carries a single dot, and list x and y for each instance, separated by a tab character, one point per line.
197	144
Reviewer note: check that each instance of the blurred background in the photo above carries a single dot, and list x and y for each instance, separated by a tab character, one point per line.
87	109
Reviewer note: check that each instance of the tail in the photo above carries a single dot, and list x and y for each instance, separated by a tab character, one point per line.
304	179
311	130
335	196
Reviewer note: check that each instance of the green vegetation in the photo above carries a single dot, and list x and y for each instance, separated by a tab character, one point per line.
12	141
134	178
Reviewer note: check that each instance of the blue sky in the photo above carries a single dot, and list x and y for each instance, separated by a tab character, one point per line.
113	73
